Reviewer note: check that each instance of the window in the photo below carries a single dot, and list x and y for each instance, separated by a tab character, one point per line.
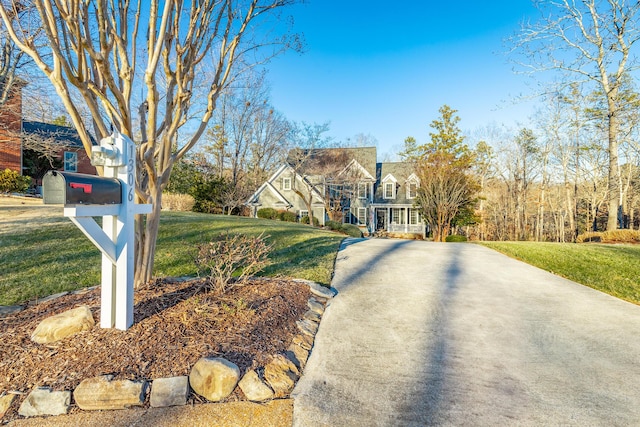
412	190
362	216
304	213
362	190
389	190
414	217
286	183
397	216
70	161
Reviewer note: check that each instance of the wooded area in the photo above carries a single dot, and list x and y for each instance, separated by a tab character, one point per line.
572	168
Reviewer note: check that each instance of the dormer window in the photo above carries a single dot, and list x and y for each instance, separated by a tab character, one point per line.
412	190
389	187
389	190
412	185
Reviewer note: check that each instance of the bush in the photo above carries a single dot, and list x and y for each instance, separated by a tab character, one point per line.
305	220
351	230
333	225
617	236
178	202
287	216
267	213
455	238
232	256
13	182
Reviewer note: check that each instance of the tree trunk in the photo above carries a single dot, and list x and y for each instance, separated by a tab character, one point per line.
146	235
614	173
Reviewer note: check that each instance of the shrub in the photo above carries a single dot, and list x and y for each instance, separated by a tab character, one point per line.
305	220
455	238
616	236
229	259
178	202
287	216
351	230
13	182
333	225
267	213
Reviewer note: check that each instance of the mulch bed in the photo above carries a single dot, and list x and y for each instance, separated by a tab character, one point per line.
175	324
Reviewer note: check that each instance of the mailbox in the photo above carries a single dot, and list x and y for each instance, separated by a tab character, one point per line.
79	189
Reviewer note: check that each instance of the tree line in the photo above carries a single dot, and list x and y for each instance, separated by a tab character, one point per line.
170	75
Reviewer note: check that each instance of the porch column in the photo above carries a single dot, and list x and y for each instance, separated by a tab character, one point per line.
406	220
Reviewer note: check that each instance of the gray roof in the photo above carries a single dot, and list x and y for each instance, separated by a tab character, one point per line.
65	135
365	156
401	171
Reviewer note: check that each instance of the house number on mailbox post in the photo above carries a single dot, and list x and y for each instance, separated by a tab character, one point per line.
116	239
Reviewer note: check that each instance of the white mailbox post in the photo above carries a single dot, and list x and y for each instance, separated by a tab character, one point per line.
116	238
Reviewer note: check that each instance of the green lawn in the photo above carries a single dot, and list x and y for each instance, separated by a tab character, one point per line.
42	261
614	269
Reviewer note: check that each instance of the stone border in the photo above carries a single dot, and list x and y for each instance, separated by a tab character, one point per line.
274	381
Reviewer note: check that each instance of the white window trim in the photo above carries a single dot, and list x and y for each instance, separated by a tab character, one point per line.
409	184
414	214
70	161
304	213
364	216
363	194
286	183
393	190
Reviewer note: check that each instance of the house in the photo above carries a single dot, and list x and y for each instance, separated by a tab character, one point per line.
23	143
346	185
59	142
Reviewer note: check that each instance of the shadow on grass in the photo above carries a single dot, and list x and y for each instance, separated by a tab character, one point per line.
303	255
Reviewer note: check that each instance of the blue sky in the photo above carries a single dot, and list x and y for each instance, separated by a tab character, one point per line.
384	68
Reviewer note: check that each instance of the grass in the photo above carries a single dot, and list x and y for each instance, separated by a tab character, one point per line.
613	269
38	262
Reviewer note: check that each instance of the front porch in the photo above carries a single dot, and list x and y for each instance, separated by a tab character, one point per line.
397	219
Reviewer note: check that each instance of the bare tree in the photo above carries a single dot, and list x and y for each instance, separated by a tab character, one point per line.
108	52
592	40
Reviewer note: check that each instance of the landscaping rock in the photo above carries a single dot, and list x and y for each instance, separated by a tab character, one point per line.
214	378
51	297
298	355
307	327
169	392
318	290
281	374
315	306
303	340
312	316
43	401
6	310
5	403
63	325
102	393
254	388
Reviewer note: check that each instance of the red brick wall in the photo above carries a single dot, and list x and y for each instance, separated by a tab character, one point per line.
84	163
10	127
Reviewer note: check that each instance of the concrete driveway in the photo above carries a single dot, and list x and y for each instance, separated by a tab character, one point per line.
456	334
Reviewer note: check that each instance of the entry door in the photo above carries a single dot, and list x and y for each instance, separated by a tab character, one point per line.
381	219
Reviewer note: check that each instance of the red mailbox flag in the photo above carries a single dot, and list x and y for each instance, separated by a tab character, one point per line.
85	187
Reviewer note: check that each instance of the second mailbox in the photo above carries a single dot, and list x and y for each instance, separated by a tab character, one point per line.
79	189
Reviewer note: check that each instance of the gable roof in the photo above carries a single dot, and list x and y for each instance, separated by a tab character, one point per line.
401	172
311	162
268	185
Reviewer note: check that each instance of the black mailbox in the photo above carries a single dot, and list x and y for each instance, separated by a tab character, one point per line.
79	189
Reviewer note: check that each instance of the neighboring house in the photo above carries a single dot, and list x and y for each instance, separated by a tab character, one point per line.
62	142
377	197
18	136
